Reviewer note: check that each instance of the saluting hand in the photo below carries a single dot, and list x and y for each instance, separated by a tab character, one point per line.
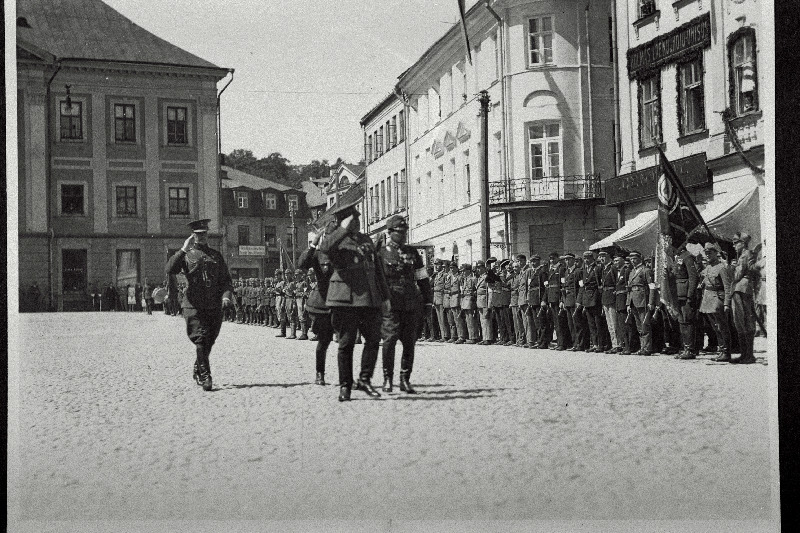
188	243
226	302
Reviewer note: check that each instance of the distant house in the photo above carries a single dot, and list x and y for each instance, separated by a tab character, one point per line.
342	177
257	223
117	145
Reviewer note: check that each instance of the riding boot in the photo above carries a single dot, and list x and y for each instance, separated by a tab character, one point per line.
303	331
387	381
293	330
204	367
405	386
320	379
283	328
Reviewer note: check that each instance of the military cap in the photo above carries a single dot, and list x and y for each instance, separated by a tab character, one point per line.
200	225
397	222
535	256
491	260
567	255
634	253
620	254
741	237
480	264
504	262
602	253
466	266
588	253
299	271
278	271
554	255
453	264
712	246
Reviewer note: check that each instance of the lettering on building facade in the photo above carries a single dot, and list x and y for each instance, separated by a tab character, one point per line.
642	184
686	39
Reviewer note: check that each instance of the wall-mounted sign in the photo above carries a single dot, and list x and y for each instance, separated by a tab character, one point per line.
688	38
642	184
257	251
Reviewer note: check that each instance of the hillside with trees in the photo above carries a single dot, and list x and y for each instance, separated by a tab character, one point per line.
277	168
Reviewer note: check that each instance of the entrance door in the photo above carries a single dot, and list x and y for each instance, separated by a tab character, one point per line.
546	238
74	280
127	267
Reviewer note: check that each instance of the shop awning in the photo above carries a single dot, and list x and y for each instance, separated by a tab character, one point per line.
729	213
639	233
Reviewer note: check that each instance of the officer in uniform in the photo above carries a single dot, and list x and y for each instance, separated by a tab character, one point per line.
280	301
482	302
438	299
621	303
301	295
552	301
209	290
522	300
458	335
590	290
685	273
569	290
642	300
717	290
357	294
745	277
290	302
468	303
496	301
534	283
506	275
320	313
450	332
608	299
410	294
513	305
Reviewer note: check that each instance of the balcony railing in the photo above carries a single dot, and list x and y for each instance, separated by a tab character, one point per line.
553	188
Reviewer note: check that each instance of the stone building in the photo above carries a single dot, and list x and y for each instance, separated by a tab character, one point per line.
117	149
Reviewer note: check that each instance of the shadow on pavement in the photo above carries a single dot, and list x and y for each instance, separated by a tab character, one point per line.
460	391
423	397
256	385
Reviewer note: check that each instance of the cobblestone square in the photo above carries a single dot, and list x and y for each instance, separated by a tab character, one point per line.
112	427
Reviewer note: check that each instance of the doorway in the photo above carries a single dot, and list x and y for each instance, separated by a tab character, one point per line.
74	279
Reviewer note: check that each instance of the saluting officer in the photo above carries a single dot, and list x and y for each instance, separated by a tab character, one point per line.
459	328
209	290
356	294
642	300
506	274
482	302
320	313
450	333
686	276
410	295
513	305
522	300
621	303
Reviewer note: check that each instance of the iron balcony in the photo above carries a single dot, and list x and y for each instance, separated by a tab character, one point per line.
552	190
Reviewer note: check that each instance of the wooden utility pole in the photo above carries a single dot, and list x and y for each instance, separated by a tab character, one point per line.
484	166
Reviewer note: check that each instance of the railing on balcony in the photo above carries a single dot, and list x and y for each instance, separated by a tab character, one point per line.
553	188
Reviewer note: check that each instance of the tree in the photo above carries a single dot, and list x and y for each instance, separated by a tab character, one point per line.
241	159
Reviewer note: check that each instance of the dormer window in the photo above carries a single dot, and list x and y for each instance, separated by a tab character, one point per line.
242	199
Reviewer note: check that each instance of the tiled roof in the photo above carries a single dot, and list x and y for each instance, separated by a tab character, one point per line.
90	29
237	178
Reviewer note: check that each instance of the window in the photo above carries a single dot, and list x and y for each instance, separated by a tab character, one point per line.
176	125
401	124
124	123
375	213
242	199
178	201
389	143
368	148
380	141
270	236
244	235
294	205
402	192
71	120
375	143
650	111
389	203
468	181
540	40
382	194
744	81
692	104
126	201
544	140
646	8
270	201
394	131
497	57
72	200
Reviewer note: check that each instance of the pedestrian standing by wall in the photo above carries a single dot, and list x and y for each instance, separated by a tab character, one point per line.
357	296
209	290
410	295
320	314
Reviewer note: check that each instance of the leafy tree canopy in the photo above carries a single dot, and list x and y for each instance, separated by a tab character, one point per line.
277	168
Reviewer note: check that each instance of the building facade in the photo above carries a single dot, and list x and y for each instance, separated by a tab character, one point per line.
117	149
342	177
264	224
689	81
386	153
547	69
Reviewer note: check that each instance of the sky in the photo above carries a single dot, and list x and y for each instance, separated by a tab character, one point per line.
306	70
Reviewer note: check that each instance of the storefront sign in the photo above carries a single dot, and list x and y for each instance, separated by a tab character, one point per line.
643	183
257	251
692	36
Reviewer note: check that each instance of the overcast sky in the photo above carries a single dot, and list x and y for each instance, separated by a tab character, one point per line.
306	70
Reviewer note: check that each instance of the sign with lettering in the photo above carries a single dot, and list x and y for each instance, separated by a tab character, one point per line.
692	36
258	251
644	183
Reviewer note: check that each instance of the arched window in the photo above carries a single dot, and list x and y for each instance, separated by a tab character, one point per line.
743	71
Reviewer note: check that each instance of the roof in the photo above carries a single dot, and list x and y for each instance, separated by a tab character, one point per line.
92	30
238	178
356	192
383	104
357	170
314	196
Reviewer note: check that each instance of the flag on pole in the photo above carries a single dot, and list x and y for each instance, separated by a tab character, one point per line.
462	12
679	222
280	254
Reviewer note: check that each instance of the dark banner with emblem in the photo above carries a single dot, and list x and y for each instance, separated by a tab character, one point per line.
641	184
686	39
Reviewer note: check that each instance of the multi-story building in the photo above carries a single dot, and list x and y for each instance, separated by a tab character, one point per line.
117	149
689	82
386	156
265	224
547	68
342	177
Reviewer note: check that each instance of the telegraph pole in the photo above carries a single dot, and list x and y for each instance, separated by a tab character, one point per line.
294	240
484	166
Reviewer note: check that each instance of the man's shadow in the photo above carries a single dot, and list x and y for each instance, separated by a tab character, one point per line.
229	386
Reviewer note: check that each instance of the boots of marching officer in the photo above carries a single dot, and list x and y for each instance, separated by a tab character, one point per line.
405	385
387	380
202	373
320	379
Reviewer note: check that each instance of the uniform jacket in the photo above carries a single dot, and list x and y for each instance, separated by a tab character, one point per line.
279	296
571	286
621	289
522	287
505	289
608	285
641	287
553	282
534	282
717	288
744	276
438	287
482	288
469	286
290	293
406	277
514	281
358	279
207	276
455	291
684	270
590	285
312	258
446	283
